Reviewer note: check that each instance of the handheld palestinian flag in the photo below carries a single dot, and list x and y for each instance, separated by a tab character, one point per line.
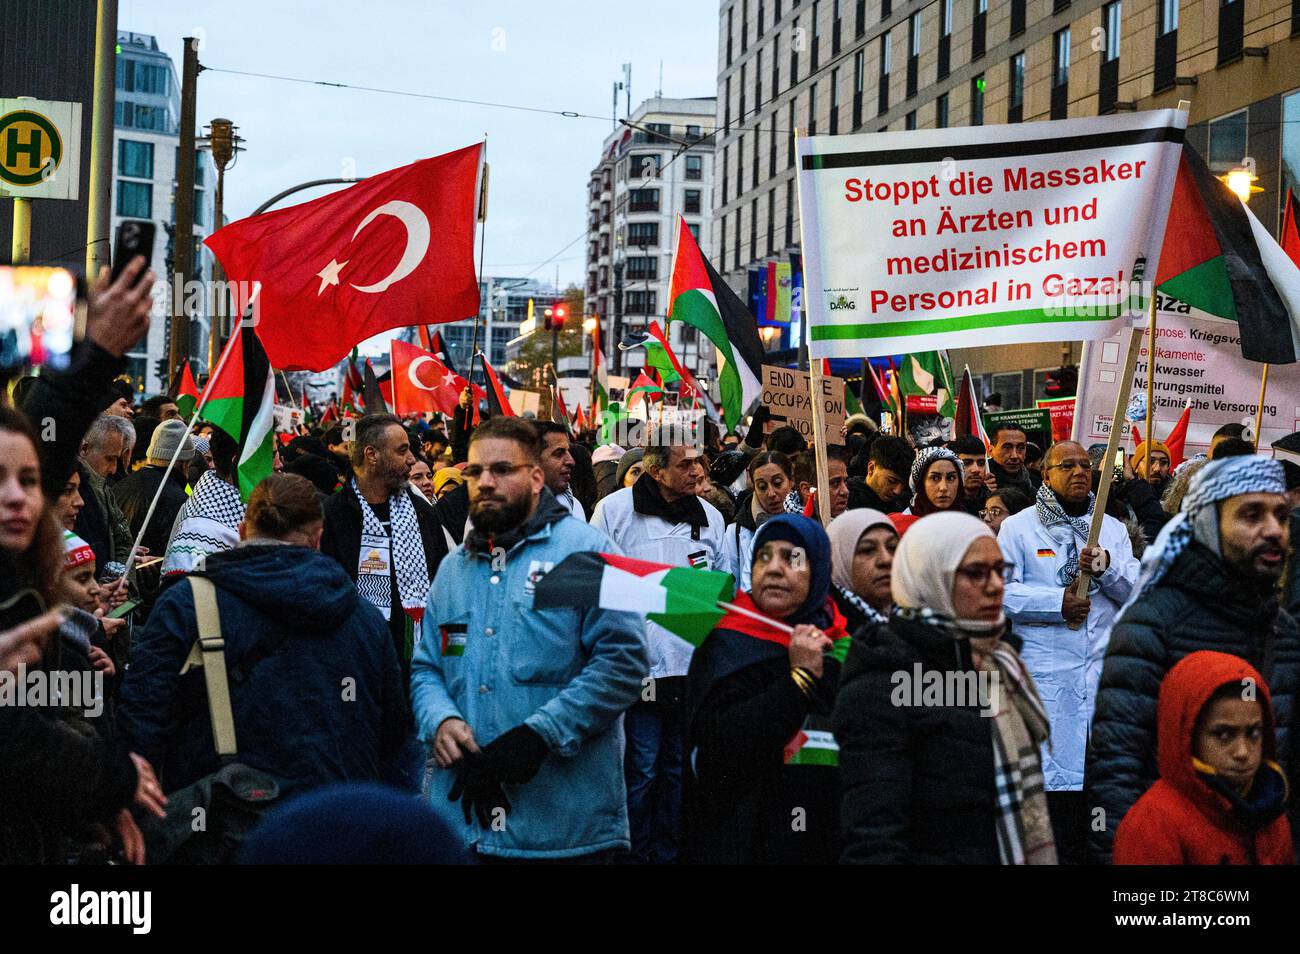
682	600
498	405
602	378
968	421
1217	257
645	388
187	397
698	296
241	401
659	354
580	422
610	417
928	372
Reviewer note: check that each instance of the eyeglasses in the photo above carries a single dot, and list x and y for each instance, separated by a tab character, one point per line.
500	470
1072	465
978	574
993	512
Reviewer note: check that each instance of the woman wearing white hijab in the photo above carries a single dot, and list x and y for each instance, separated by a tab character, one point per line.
936	716
863	542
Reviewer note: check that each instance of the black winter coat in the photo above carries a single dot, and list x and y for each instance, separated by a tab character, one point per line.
917	781
1197	605
740	796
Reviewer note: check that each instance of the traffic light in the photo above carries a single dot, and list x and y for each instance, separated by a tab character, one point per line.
160	371
557	321
1063	382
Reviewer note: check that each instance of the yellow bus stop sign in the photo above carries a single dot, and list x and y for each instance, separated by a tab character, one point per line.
39	148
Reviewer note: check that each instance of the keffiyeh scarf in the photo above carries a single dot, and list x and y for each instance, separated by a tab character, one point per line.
1051	514
1198	518
207	523
927	456
380	555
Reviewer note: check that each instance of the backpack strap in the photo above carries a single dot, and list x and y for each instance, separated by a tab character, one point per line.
209	652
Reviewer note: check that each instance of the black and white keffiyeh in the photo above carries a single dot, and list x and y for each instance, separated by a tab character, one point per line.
1052	514
1198	518
405	548
207	523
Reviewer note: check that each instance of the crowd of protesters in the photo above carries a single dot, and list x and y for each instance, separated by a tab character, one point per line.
347	665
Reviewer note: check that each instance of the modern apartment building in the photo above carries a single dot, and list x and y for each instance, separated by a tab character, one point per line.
656	165
146	138
835	66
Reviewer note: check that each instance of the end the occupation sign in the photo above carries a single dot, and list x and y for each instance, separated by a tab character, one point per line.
988	235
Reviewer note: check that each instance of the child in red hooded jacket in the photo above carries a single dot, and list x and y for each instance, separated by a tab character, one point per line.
1221	796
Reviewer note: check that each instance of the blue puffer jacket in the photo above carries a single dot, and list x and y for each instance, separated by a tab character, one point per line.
487	657
315	685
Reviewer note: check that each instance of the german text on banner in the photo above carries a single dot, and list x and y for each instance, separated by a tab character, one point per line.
990	235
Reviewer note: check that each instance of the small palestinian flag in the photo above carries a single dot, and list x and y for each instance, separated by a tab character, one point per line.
645	387
453	635
1218	258
602	379
659	354
682	600
928	372
241	401
187	397
698	296
813	746
968	422
498	405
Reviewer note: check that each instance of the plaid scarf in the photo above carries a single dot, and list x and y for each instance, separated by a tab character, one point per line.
1051	514
1020	727
406	556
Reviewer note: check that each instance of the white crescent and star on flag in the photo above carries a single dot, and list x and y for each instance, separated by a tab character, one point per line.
413	373
417	245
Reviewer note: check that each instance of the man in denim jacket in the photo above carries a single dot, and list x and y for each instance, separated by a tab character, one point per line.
521	706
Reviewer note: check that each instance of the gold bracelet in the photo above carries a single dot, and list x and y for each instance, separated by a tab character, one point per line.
803	679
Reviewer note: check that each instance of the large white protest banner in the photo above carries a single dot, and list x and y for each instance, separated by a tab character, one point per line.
989	235
1198	359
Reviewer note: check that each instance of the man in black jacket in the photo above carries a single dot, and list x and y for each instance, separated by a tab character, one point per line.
885	486
1212	586
136	491
384	535
1010	447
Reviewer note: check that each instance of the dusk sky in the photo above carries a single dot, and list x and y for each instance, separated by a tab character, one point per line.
554	55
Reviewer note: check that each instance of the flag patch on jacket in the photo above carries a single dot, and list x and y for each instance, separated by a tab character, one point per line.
1046	552
453	638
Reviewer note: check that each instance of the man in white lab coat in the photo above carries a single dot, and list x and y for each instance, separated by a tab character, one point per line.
1047	544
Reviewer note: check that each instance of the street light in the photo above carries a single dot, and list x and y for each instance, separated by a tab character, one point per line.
1241	181
222	139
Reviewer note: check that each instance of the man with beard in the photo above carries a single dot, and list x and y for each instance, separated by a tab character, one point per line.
660	519
1208	582
1146	476
521	705
1065	636
386	536
557	465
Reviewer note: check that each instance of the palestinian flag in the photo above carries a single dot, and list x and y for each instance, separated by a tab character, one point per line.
928	372
1218	258
698	296
241	401
559	410
372	395
610	416
602	379
682	600
659	354
580	422
187	396
968	421
644	386
498	405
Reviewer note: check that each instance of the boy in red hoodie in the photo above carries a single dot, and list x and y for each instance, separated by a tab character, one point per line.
1221	795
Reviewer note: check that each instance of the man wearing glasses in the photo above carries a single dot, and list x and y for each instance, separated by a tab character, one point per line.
1065	636
521	706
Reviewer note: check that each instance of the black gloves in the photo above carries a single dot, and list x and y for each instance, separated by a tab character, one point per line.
512	758
754	436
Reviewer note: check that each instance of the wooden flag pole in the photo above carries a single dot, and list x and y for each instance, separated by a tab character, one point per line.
815	391
1112	445
1259	411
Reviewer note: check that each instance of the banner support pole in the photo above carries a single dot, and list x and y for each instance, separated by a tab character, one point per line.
1112	445
1259	411
1150	435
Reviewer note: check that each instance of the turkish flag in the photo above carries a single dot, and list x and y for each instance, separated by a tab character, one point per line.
422	383
394	250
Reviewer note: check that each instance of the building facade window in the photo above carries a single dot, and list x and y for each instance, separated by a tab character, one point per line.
134	199
642	233
135	158
1108	81
1018	17
979	29
977	101
1232	25
771	222
1166	66
643	200
789	212
691	201
646	166
941	111
640	302
695	167
859	68
1016	95
945	36
913	52
886	62
812	109
642	266
909	121
835	101
1229	142
1061	73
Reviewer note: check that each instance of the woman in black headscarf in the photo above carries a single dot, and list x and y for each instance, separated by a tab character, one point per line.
762	779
